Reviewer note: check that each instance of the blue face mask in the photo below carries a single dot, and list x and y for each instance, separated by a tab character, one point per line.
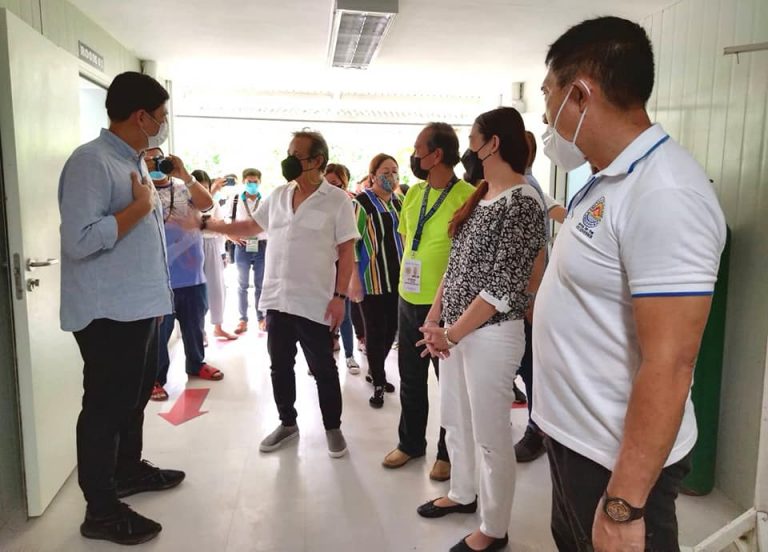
386	183
156	175
251	188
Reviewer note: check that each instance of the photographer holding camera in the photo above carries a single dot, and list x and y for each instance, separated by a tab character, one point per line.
185	263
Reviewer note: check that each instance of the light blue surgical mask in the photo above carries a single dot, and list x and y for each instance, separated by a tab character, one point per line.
251	188
156	175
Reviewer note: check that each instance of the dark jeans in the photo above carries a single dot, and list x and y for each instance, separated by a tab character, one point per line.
414	373
190	305
315	340
120	363
380	316
578	484
247	262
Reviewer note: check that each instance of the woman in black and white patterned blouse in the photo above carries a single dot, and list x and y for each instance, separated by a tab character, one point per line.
498	238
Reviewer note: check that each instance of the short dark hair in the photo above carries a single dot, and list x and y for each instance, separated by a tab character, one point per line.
443	136
615	52
131	91
251	172
318	144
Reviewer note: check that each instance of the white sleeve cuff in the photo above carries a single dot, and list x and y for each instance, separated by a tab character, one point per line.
501	305
650	289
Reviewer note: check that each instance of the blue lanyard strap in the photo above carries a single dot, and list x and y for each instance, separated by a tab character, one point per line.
596	178
424	216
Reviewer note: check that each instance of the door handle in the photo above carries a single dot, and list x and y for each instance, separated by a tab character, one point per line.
32	263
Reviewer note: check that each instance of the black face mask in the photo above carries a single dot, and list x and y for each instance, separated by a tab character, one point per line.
418	172
473	166
291	167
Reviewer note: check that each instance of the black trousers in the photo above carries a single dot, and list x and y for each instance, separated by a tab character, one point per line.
316	342
578	484
414	374
380	316
356	312
120	365
526	369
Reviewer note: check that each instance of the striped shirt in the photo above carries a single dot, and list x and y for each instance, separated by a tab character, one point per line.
380	249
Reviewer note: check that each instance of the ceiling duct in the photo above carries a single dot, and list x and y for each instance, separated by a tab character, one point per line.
359	27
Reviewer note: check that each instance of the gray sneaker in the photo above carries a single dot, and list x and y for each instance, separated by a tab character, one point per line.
279	437
337	446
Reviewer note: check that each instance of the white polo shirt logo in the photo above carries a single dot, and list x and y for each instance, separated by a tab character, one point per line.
592	218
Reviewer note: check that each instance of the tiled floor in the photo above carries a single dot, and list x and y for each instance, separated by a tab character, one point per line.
299	499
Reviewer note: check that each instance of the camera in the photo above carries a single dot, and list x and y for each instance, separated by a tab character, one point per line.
163	164
230	181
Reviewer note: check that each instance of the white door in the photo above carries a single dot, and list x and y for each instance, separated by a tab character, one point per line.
39	128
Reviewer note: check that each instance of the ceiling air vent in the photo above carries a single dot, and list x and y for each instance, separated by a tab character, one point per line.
359	27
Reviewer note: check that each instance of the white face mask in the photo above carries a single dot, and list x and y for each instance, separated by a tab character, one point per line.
160	137
563	153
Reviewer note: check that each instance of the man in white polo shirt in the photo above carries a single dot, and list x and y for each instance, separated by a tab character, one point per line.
311	224
620	313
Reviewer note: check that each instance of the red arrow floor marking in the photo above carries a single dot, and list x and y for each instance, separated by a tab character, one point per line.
187	406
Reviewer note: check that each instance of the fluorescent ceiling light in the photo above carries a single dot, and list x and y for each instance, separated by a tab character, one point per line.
359	27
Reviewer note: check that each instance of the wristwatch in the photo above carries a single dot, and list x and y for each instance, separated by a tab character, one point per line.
621	511
191	182
340	295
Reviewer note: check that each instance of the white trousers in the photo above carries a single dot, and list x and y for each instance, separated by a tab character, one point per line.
476	394
213	268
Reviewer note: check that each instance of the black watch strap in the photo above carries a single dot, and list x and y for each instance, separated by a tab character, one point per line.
621	511
340	295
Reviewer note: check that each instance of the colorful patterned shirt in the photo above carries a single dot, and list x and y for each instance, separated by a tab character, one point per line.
380	249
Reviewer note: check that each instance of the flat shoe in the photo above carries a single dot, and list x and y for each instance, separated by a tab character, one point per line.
441	471
396	459
430	510
497	544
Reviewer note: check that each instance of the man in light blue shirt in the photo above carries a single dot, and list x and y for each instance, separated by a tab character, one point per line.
114	292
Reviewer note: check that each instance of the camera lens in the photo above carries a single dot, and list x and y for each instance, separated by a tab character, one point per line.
165	165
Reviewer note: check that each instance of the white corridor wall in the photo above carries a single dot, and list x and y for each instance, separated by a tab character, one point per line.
717	107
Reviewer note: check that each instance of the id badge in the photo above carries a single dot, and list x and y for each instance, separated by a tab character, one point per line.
412	275
252	245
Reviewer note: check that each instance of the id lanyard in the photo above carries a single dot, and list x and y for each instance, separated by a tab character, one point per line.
248	209
596	178
424	216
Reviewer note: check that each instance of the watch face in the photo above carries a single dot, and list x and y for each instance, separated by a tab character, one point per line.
617	510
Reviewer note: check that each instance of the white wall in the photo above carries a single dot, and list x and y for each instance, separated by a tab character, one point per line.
65	25
718	109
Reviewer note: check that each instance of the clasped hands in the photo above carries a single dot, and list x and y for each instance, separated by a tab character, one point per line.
435	343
